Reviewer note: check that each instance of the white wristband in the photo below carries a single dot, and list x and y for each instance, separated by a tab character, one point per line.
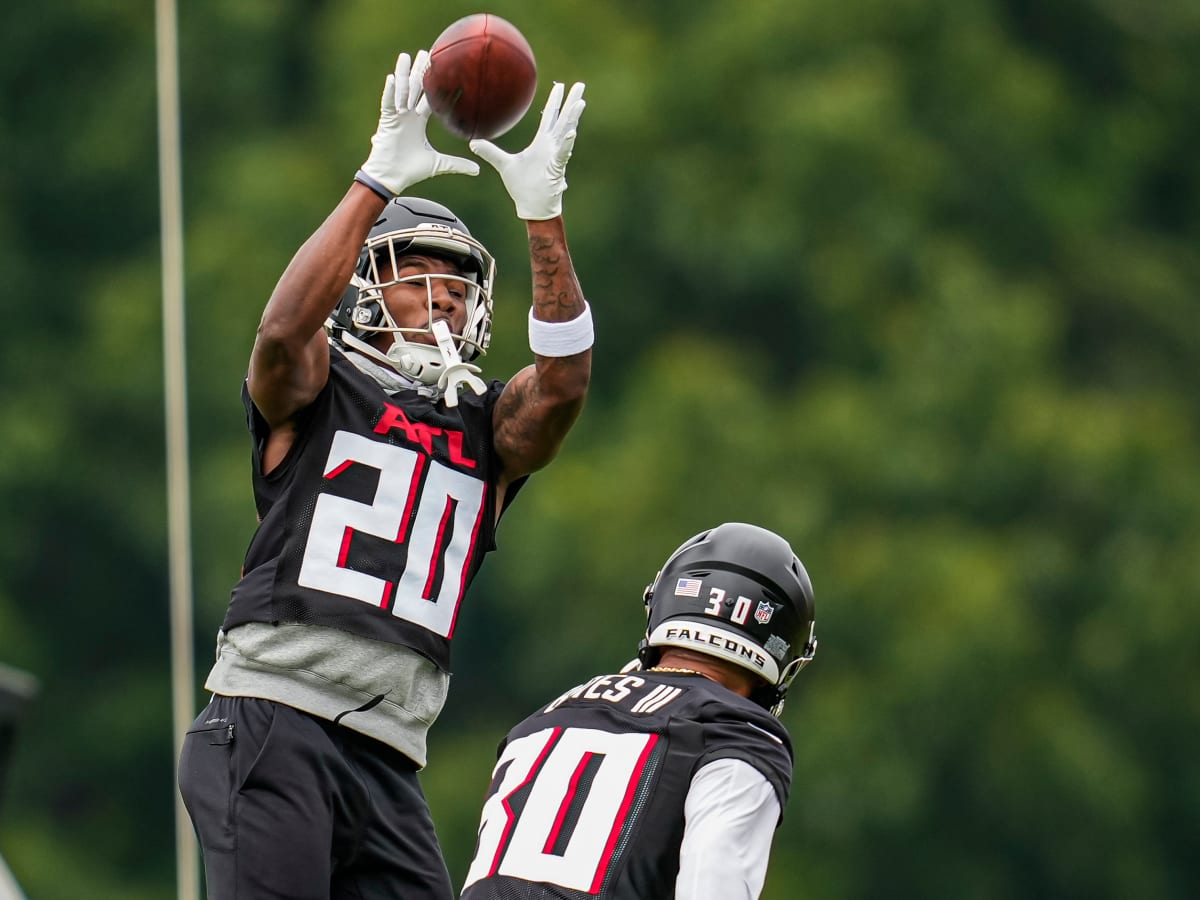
562	338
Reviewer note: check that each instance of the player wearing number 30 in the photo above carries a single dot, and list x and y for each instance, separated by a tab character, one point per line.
668	778
382	462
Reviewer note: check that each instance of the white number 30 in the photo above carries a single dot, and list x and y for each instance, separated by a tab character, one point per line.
550	763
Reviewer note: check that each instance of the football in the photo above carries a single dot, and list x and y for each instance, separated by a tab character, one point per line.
482	76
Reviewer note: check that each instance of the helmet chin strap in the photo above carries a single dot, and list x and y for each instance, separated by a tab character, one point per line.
439	370
371	362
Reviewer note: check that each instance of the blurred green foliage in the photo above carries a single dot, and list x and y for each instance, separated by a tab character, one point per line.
914	283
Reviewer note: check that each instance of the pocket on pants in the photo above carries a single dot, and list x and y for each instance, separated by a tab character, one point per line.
206	783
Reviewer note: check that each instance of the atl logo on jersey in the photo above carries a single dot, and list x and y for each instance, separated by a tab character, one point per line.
394	419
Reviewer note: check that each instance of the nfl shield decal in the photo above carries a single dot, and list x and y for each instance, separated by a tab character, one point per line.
763	614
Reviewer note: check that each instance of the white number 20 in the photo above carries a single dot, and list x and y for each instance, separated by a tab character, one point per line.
430	532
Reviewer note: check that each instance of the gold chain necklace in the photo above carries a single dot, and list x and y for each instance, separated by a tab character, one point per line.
672	669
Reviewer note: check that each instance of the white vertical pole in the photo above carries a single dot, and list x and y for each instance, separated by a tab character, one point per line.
175	391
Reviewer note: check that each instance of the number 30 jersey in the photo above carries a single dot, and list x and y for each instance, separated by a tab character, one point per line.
587	797
377	519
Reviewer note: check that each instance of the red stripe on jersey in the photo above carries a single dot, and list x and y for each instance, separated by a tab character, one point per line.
606	859
413	489
502	844
338	470
439	543
572	790
462	581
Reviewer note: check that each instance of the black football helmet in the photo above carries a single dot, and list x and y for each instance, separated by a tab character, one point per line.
736	592
415	225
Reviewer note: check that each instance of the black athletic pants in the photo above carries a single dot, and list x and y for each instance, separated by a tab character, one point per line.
287	805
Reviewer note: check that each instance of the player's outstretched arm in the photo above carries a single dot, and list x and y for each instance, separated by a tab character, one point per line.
541	402
290	361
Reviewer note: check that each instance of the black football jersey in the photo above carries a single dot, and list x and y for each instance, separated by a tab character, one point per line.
587	796
378	518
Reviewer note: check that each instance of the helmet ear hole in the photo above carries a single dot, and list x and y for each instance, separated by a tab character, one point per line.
343	314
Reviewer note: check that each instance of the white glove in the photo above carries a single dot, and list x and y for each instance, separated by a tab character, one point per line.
536	178
400	152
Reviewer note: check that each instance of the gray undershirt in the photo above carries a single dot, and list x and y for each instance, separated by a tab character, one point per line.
330	673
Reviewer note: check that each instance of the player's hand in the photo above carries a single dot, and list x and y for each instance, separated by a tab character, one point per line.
401	154
536	177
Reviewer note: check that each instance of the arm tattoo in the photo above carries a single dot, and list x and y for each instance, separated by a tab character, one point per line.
539	404
556	297
521	429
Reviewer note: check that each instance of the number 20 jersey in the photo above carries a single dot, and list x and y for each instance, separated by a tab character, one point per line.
587	796
378	518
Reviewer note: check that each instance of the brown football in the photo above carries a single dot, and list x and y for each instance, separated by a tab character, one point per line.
482	76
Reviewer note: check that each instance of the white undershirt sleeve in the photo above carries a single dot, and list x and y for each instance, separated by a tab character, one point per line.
730	816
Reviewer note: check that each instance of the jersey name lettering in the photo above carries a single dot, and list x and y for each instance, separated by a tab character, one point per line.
616	688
